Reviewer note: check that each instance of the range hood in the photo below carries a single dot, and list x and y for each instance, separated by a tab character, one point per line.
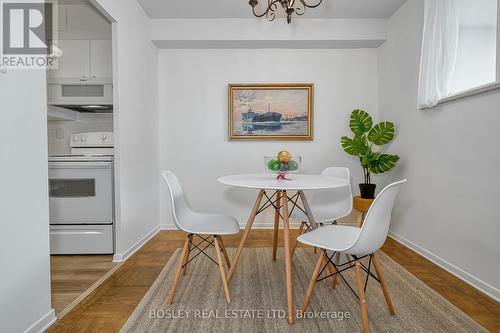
69	114
91	108
82	97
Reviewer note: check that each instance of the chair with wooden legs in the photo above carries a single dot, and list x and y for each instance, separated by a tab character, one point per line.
329	205
207	227
358	243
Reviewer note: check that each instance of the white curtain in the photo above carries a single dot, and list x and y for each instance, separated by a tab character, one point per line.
439	51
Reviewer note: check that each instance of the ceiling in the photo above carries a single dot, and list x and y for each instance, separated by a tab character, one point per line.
241	9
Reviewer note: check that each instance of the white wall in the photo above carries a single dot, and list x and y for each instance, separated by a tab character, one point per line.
193	117
24	210
24	254
135	81
448	210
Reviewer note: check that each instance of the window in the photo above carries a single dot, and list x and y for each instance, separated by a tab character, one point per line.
477	56
460	50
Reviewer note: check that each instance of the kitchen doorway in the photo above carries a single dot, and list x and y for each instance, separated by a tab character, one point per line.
80	129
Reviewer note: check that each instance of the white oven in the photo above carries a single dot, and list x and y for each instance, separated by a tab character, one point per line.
81	196
81	192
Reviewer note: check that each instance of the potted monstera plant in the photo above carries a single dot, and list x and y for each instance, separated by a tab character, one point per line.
364	144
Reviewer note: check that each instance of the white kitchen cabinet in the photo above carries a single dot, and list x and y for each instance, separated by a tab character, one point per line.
100	59
83	60
74	62
85	22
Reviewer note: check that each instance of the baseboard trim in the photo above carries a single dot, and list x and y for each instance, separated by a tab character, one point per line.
261	225
43	323
168	227
457	271
119	257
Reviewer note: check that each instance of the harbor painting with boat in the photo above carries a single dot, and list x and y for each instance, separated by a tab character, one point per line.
270	112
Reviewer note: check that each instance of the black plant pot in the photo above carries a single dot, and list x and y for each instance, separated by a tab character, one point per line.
367	190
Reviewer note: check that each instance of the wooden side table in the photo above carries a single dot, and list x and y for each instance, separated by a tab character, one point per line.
362	206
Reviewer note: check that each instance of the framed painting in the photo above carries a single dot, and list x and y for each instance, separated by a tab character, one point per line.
271	111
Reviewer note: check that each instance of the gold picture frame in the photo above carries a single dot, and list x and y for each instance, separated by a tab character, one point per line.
270	111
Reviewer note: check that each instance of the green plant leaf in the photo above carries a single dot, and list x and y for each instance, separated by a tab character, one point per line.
360	122
355	146
383	163
382	133
367	158
364	138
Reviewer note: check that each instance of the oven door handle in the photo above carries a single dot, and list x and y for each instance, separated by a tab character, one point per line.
76	232
80	165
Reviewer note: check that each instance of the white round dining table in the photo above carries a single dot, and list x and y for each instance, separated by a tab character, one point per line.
280	201
294	182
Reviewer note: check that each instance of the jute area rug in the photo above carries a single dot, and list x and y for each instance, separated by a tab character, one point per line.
258	295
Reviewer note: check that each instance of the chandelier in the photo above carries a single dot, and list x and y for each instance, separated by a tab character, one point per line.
289	6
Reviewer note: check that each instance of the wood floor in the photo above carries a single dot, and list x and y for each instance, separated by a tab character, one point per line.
110	305
71	276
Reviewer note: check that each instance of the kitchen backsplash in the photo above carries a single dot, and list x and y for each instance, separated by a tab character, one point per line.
59	131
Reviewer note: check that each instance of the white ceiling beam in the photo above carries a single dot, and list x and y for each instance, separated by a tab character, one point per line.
259	33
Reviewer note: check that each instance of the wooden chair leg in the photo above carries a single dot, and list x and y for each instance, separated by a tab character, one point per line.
226	257
171	293
243	239
288	260
314	277
361	295
334	281
301	231
276	224
221	269
328	266
332	270
186	257
383	285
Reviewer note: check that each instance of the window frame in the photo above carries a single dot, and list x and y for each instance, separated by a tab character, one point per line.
485	87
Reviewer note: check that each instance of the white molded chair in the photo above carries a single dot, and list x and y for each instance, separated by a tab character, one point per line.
328	205
203	226
357	243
